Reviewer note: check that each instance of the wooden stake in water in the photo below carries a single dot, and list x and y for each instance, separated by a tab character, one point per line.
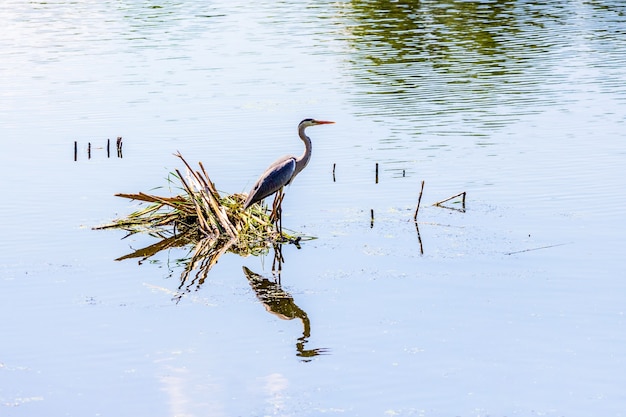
89	150
371	218
108	148
419	199
118	143
334	166
376	172
75	150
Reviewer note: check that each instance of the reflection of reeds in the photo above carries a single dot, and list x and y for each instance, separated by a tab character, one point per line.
202	220
203	254
202	212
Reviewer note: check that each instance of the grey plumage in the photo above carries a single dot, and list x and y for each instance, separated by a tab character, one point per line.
283	170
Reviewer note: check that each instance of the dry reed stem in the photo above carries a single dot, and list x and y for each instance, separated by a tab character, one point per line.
419	200
210	199
463	194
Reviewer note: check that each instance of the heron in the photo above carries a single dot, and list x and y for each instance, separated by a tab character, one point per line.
283	170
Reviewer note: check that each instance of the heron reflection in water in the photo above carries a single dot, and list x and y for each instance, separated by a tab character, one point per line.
281	304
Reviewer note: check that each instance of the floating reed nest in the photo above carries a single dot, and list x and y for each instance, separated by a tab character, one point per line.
201	216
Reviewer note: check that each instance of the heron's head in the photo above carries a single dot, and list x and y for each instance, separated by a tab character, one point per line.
313	122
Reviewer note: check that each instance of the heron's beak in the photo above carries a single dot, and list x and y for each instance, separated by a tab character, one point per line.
323	122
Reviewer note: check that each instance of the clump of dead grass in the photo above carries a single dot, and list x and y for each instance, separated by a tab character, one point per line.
200	215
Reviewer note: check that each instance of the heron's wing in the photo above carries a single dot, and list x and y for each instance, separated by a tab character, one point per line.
277	175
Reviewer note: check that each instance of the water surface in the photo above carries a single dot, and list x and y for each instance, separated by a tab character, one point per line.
513	306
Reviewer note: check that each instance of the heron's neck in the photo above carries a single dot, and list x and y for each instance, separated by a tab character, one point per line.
303	160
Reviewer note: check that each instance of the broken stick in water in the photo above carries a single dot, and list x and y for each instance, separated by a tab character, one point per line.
419	199
463	194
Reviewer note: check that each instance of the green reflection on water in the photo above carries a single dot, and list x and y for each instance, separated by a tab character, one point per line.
484	61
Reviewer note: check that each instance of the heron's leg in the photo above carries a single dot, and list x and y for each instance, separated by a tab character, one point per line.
276	216
274	213
280	212
275	205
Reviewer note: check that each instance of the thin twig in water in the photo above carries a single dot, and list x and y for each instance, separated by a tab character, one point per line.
532	249
419	199
438	203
